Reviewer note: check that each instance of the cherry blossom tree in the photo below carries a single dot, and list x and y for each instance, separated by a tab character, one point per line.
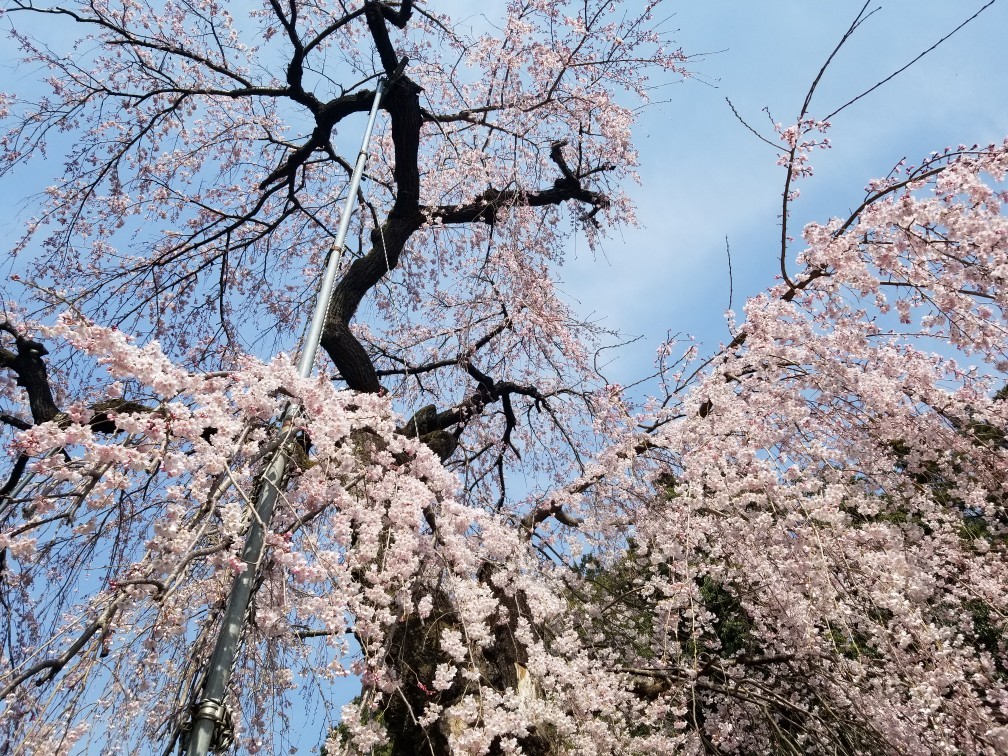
797	546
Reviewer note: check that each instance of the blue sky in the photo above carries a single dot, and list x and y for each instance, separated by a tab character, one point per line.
705	177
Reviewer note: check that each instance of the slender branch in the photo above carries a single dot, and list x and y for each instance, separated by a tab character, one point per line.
898	71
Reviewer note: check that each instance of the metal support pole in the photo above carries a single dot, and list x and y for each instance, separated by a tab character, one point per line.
210	727
329	279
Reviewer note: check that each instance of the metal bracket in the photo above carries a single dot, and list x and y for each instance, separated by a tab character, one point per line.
215	711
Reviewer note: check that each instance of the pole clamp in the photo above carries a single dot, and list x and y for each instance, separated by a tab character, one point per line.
217	712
